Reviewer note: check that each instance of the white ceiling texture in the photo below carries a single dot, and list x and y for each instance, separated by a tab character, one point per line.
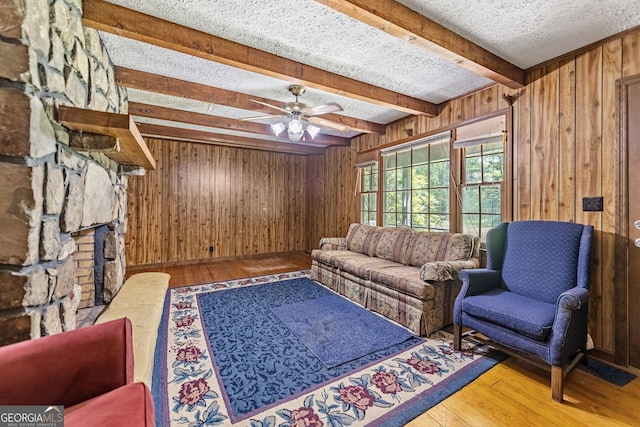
320	35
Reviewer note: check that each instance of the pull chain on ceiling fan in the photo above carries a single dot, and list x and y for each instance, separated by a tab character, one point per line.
302	117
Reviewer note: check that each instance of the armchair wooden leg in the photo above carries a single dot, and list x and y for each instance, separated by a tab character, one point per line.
457	337
557	386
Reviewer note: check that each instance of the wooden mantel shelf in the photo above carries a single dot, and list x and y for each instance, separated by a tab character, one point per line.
133	149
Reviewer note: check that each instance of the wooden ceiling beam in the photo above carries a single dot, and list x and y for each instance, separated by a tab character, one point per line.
182	116
111	18
408	25
169	86
189	135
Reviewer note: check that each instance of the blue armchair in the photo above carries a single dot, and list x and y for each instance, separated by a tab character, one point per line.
533	296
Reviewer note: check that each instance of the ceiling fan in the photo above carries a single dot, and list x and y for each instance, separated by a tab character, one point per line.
300	113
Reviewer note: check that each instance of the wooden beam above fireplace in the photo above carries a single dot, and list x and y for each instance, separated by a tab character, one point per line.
133	149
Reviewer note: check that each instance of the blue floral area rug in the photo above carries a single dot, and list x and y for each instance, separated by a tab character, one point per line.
225	358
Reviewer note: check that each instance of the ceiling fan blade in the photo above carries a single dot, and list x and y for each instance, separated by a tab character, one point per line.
270	116
330	107
270	106
328	124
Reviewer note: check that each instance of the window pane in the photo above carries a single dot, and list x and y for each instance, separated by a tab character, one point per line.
439	222
374	179
366	179
403	220
404	158
421	155
474	150
372	201
420	201
471	199
471	224
403	201
389	220
364	217
493	148
490	195
389	161
419	176
390	202
473	170
420	221
439	151
439	174
364	202
439	201
390	180
493	168
404	178
372	218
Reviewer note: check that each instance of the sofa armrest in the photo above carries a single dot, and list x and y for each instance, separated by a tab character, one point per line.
439	271
67	368
333	243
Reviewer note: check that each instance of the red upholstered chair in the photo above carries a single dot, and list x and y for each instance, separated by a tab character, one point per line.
89	371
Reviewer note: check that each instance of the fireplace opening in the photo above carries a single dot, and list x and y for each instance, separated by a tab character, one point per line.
95	254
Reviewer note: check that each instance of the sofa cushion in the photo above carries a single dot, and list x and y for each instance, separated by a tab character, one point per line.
523	315
363	238
364	265
404	279
429	246
393	243
129	405
333	258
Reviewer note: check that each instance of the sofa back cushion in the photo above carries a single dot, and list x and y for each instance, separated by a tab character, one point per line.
363	238
393	243
428	246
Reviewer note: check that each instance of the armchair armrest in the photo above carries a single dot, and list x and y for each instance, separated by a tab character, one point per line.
474	282
573	299
479	281
333	243
67	368
569	327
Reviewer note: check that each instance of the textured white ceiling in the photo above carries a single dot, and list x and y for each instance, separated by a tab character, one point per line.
525	33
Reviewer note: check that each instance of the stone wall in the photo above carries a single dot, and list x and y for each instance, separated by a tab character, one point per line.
47	190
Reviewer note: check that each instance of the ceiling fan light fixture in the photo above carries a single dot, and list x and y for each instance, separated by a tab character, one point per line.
313	130
278	128
295	130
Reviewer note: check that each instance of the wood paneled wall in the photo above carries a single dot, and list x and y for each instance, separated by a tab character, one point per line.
564	148
333	205
240	201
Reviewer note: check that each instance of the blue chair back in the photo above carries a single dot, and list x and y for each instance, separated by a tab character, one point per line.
541	259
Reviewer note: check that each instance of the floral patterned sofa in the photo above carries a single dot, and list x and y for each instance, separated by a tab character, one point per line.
408	276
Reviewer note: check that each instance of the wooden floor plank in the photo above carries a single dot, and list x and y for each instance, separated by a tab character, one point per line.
511	393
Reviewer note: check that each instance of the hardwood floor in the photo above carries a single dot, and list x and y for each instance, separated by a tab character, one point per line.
512	393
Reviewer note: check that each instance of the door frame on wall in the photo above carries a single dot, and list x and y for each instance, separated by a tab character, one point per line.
623	328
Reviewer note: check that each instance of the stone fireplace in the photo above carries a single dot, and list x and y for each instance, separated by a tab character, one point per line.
50	194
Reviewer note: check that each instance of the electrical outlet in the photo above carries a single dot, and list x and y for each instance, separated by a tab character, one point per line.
592	204
211	249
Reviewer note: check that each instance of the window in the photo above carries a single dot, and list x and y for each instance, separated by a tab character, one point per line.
368	186
417	184
483	172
